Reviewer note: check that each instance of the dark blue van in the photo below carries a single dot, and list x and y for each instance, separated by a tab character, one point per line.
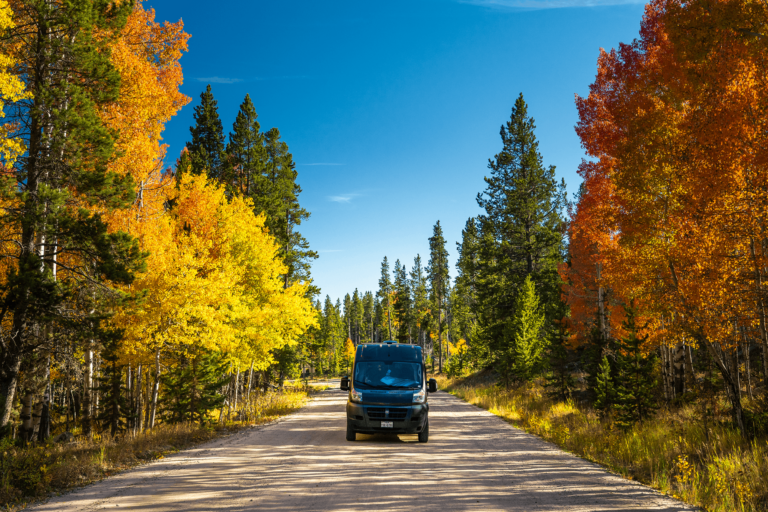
388	391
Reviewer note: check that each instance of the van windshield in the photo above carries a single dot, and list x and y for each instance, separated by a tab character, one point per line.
389	374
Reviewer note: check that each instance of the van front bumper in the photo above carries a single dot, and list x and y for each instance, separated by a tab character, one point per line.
406	419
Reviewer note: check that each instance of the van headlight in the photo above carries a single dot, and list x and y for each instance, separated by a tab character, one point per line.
419	396
355	396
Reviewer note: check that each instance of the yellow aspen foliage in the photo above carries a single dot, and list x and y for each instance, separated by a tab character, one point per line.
213	282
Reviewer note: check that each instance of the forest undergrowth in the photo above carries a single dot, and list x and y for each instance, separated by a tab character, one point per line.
35	471
707	464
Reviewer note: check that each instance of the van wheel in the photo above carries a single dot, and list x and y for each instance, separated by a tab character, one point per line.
424	434
351	435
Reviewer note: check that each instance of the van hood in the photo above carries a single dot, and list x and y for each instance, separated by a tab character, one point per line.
388	396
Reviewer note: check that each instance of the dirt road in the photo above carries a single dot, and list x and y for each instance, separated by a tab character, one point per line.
473	461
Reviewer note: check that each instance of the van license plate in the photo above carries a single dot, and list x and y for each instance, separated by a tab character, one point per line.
386	424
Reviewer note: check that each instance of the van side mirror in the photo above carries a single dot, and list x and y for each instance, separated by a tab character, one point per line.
344	384
432	386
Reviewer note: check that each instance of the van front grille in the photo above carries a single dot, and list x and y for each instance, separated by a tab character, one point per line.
380	413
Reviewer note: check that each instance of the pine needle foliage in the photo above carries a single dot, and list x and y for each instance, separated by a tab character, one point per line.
192	389
527	345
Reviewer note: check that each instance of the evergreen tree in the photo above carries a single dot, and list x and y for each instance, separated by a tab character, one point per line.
356	311
604	389
464	304
521	232
527	343
420	300
206	149
635	382
192	387
279	200
439	283
369	318
559	381
402	307
385	294
70	81
246	153
348	315
114	409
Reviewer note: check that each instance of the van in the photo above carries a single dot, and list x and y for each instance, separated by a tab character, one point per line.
388	391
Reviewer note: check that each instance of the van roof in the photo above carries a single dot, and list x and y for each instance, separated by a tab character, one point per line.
388	351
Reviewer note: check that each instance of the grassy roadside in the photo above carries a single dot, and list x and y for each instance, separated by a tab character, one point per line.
30	473
707	465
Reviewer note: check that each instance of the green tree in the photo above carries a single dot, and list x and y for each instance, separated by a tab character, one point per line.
402	306
369	318
521	231
278	198
559	381
192	387
420	300
206	149
385	294
439	283
114	409
527	343
605	392
246	154
464	303
635	383
61	185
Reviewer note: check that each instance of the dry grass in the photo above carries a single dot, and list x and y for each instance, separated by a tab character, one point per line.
38	470
708	465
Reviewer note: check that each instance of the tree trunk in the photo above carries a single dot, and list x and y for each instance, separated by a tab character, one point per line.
690	371
718	357
137	413
44	431
88	392
155	390
9	379
26	417
761	312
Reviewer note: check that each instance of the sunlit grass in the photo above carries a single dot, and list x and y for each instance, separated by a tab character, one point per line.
710	466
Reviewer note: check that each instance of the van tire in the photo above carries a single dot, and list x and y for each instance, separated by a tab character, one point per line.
351	434
424	434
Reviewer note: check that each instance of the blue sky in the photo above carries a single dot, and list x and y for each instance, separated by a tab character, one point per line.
392	108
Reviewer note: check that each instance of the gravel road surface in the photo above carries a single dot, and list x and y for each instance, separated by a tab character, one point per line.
473	461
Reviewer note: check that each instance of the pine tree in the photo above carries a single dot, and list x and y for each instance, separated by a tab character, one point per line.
559	381
246	154
439	283
385	294
465	305
207	146
356	311
279	199
526	341
369	318
521	232
114	409
604	388
192	388
402	307
420	300
635	380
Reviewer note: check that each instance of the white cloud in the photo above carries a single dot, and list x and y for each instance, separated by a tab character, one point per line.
532	5
344	198
219	80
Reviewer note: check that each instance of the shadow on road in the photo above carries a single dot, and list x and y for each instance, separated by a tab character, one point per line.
473	461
